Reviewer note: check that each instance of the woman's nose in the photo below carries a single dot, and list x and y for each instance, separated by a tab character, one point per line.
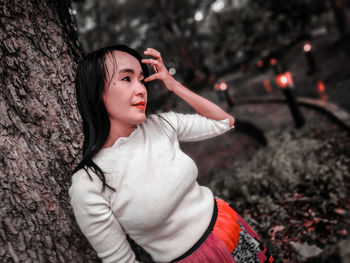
140	89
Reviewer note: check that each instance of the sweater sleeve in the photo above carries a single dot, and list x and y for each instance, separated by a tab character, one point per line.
194	127
96	220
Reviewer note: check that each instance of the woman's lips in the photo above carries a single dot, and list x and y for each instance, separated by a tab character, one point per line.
140	106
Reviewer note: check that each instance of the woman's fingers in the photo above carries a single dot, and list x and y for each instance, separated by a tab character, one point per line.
157	66
156	62
152	62
152	77
154	53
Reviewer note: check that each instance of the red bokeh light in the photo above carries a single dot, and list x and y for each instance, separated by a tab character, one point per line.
284	80
223	85
242	67
320	86
267	86
212	77
273	61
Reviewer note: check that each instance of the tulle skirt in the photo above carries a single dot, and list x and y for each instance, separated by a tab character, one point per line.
231	240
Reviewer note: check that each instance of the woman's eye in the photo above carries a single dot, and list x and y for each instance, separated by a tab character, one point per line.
126	78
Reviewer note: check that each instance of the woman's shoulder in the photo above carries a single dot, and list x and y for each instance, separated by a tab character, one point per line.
83	181
167	114
162	121
86	190
82	174
159	118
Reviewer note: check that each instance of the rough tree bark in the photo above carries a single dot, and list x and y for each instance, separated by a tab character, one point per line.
40	133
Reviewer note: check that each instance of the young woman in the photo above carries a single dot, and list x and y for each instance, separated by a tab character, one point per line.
135	180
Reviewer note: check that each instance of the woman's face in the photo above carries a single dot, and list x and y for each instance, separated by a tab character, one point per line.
125	95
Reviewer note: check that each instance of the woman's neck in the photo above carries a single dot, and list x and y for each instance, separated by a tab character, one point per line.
117	131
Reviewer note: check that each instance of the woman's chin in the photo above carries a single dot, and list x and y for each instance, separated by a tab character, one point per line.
141	119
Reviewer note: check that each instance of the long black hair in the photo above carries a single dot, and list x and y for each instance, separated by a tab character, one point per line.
90	83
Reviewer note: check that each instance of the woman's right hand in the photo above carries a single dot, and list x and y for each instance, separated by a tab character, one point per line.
160	70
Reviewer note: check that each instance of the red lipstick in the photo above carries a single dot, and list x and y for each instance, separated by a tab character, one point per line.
141	105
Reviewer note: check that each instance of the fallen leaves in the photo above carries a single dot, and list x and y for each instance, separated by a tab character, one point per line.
273	230
295	194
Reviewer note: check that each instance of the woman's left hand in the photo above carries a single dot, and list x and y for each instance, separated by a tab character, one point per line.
157	64
201	105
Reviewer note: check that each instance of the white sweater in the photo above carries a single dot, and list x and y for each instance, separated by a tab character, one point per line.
158	201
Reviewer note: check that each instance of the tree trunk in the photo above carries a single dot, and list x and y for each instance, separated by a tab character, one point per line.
40	133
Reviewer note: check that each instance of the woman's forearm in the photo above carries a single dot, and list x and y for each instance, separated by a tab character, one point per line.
201	105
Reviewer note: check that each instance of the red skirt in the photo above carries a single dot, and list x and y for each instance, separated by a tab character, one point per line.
231	240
